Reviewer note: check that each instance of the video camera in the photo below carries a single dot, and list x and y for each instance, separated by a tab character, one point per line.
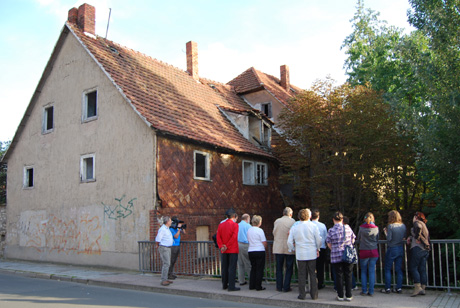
175	224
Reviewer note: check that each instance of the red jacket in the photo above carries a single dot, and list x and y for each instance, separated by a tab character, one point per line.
227	234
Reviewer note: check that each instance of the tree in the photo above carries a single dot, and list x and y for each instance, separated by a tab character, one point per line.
418	74
348	149
3	148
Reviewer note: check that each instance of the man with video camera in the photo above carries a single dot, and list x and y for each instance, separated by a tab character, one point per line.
177	227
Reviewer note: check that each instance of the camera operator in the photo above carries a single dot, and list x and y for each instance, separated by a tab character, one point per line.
177	227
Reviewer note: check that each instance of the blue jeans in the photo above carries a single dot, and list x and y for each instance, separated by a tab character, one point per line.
368	270
418	257
394	255
284	284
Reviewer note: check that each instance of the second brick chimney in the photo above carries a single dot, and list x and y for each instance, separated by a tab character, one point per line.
284	72
84	17
192	59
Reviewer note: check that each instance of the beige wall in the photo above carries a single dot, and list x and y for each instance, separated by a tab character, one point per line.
261	97
62	219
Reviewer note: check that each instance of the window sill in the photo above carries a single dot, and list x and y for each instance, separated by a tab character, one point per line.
89	119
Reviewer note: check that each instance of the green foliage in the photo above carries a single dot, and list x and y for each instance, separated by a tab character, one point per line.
419	73
349	155
3	148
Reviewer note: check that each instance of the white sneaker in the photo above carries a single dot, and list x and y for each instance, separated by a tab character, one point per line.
348	299
340	299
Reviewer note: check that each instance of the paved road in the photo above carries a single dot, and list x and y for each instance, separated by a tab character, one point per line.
23	292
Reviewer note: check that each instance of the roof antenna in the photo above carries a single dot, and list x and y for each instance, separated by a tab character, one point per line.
108	22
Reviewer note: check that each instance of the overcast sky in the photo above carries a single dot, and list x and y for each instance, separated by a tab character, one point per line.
232	35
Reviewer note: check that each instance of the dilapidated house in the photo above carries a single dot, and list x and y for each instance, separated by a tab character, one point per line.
112	139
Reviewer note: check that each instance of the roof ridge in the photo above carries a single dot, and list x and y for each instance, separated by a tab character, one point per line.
257	75
97	37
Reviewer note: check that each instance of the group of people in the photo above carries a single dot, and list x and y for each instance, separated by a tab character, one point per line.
306	241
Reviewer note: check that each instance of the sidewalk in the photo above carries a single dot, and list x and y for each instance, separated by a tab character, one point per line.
211	288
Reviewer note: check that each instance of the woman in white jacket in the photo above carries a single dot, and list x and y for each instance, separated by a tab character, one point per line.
304	238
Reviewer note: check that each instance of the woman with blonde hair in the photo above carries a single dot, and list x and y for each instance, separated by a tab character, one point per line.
368	239
256	252
395	233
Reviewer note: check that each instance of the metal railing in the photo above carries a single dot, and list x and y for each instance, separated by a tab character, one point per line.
202	258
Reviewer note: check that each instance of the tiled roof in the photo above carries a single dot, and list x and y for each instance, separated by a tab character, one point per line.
168	98
253	80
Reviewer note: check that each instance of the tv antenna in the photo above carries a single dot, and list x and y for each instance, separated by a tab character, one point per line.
108	22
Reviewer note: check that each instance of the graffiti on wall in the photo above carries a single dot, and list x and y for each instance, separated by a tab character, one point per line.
120	210
68	235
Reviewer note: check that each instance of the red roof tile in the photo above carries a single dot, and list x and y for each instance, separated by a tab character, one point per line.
169	99
253	80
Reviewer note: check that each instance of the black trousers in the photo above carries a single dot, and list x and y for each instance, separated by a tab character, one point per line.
343	271
228	270
257	259
320	263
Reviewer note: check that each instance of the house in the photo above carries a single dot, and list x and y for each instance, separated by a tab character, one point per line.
265	92
112	139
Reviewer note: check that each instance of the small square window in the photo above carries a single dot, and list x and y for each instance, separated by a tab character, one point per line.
201	166
88	168
28	177
90	105
48	119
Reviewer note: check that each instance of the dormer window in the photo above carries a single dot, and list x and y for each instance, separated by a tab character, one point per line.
265	134
89	105
266	109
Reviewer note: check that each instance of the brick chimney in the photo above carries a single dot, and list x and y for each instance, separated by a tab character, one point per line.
192	59
284	72
84	17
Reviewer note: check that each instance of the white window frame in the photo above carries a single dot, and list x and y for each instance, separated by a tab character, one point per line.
84	116
207	166
46	109
84	168
250	173
26	182
263	128
264	176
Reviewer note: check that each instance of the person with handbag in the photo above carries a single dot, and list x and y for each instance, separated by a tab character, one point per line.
340	239
420	246
368	240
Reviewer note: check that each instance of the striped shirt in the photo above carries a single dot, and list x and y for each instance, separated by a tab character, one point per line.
336	239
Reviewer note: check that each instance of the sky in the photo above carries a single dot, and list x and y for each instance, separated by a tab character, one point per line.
232	36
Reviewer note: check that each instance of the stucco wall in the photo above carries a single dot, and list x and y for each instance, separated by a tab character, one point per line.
2	228
62	219
202	202
261	97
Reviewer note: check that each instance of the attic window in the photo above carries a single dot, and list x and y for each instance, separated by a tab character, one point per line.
89	105
266	109
212	86
114	50
48	119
